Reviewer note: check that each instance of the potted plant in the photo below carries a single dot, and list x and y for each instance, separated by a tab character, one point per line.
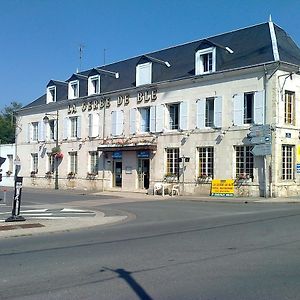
71	175
33	174
171	177
55	150
48	174
243	176
8	173
91	175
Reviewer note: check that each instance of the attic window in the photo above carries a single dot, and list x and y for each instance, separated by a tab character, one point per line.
73	89
144	74
51	94
205	61
94	85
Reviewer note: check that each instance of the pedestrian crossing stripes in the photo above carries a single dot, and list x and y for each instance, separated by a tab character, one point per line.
50	213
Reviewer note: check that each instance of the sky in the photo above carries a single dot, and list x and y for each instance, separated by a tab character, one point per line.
40	39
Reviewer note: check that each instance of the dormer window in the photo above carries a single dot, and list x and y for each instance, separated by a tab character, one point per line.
205	61
94	85
51	94
73	89
144	74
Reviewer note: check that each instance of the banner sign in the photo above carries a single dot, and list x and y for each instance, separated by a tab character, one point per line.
117	155
222	188
143	154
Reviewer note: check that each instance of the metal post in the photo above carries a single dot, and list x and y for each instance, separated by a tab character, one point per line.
56	158
4	196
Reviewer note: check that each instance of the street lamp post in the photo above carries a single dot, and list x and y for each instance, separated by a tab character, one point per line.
46	119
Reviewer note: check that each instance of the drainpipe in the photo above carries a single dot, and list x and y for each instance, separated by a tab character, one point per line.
103	154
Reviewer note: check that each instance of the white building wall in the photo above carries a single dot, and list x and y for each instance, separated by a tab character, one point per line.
8	168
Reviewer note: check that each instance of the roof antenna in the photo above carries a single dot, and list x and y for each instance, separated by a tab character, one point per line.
81	46
270	18
104	52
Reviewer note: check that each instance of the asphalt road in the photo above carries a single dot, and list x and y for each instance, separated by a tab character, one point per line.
171	250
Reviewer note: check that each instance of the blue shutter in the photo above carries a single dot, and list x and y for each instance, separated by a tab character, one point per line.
259	107
238	109
79	127
160	113
200	113
66	128
218	112
152	118
183	120
132	117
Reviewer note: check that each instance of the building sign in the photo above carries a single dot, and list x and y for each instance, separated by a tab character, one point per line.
222	188
143	154
117	155
104	103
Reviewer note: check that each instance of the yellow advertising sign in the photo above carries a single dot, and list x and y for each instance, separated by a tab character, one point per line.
298	154
223	188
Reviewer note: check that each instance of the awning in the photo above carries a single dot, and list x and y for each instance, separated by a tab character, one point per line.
126	147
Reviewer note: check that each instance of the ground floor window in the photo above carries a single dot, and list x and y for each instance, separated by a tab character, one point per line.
172	168
93	162
50	163
244	162
287	162
73	162
206	162
35	161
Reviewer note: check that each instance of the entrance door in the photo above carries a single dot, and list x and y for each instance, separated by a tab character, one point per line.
118	173
144	173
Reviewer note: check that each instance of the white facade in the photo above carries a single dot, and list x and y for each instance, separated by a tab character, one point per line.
7	151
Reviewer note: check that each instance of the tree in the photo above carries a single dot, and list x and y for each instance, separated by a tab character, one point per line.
8	123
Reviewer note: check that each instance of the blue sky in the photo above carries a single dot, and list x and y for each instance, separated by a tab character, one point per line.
40	38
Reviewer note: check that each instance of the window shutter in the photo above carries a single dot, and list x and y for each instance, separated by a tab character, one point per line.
79	127
55	129
96	119
90	120
40	131
119	127
132	126
113	122
160	112
218	112
152	118
201	113
238	109
259	109
143	73
66	128
28	133
183	110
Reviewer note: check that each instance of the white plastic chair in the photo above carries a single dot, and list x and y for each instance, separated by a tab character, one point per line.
175	190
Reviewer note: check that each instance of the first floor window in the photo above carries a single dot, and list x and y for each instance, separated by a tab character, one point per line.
287	162
174	116
172	161
209	112
74	127
73	162
34	158
145	119
289	108
248	108
35	134
206	162
244	162
94	162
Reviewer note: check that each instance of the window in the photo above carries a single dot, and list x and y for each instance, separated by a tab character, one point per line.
35	131
51	163
209	112
144	74
289	108
287	162
73	89
206	162
144	119
244	162
94	85
74	127
10	162
117	122
172	161
248	108
52	129
205	61
51	94
34	162
73	162
174	116
94	162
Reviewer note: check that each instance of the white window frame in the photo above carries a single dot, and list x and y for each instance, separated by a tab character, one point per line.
172	161
174	125
91	86
199	64
93	162
73	162
206	162
244	162
144	74
289	107
51	94
34	162
71	93
73	127
51	163
143	121
288	162
35	131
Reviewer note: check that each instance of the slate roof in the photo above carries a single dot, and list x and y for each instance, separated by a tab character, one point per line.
251	46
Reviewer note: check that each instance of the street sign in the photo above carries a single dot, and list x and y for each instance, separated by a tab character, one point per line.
298	168
259	130
262	150
260	140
